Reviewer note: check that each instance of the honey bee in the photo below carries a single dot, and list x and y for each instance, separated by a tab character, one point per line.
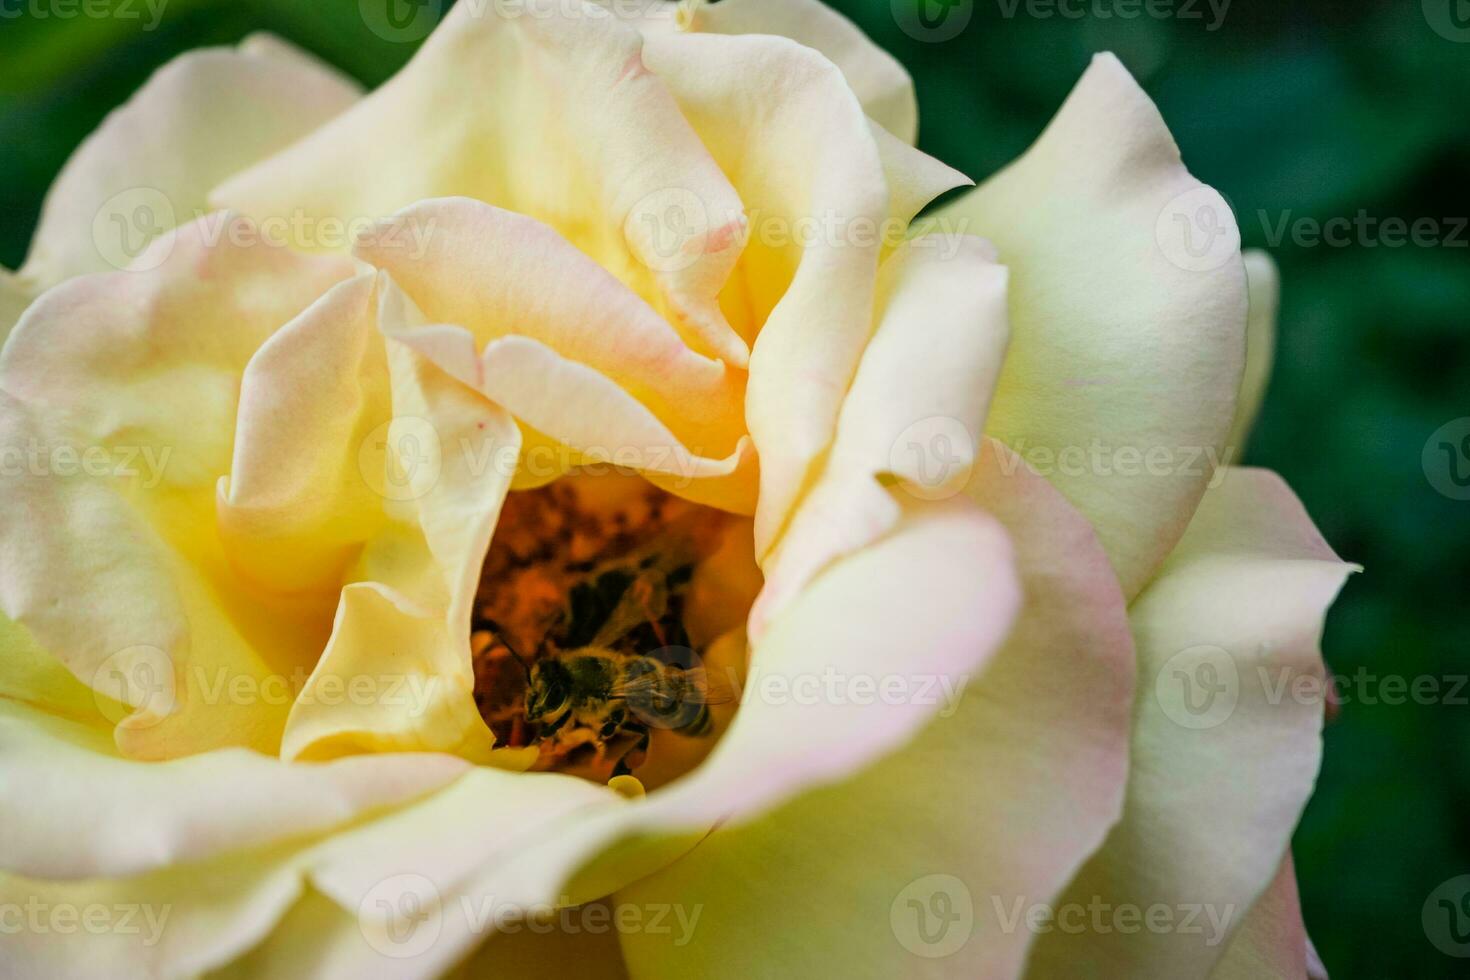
590	685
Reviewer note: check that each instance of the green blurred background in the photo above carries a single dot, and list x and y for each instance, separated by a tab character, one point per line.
1299	111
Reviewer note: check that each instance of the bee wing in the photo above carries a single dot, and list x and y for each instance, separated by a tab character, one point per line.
715	689
645	599
697	686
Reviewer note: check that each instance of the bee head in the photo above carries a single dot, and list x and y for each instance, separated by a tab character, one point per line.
549	690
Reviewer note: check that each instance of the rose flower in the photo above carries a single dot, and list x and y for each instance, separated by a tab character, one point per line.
560	514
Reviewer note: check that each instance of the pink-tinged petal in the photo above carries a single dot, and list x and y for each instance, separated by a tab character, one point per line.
499	274
571	129
152	162
1128	313
996	803
1272	940
1227	731
877	78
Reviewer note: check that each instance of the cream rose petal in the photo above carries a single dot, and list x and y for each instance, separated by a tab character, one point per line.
151	163
125	385
406	627
1227	730
995	803
212	911
500	274
318	939
1128	312
809	170
1260	345
570	128
291	518
880	82
1271	940
174	923
70	808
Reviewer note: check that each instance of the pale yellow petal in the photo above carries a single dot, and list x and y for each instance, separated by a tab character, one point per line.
877	78
1227	731
806	282
499	274
402	634
112	818
913	416
1128	312
572	130
123	387
152	162
295	508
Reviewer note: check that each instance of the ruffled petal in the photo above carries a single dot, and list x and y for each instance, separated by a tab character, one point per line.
877	78
993	805
1260	345
1128	312
942	302
151	164
499	274
806	281
572	130
1227	732
295	508
187	918
404	627
123	387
